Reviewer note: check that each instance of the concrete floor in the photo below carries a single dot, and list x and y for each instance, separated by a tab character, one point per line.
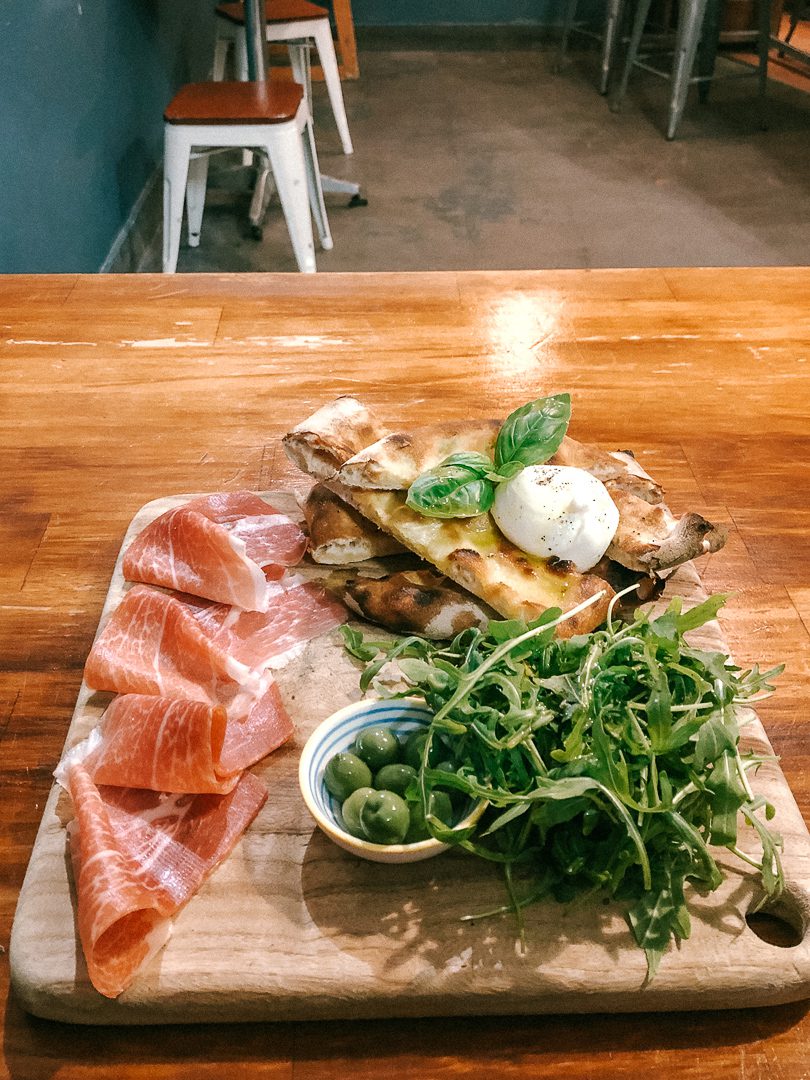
476	153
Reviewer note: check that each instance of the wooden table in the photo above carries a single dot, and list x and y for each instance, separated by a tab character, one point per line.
117	390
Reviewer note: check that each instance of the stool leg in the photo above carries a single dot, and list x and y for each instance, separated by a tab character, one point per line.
175	170
300	68
642	12
763	45
707	49
286	153
261	194
613	19
326	52
220	56
314	188
690	22
240	55
240	61
568	22
195	196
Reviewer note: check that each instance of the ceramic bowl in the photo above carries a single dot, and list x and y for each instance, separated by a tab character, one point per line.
337	733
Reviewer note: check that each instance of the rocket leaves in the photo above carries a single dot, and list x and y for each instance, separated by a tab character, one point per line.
610	762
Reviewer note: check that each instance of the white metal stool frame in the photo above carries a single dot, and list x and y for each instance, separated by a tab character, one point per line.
290	150
296	34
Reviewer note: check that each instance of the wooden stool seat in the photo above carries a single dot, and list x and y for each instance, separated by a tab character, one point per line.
234	103
271	119
277	11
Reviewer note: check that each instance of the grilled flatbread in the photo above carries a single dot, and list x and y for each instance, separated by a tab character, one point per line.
416	602
476	555
339	535
394	462
321	444
373	479
620	468
650	539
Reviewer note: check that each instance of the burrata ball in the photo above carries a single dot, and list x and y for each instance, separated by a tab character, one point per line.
557	512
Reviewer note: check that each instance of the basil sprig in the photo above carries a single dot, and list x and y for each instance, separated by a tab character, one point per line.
463	485
458	487
532	433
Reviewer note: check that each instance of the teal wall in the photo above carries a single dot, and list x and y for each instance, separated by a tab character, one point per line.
84	84
467	12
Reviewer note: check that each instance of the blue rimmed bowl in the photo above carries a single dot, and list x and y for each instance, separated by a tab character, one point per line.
336	734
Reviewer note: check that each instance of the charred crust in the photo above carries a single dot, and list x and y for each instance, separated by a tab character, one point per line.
561	567
399	440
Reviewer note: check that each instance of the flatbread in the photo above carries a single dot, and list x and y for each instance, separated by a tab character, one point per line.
394	462
321	444
650	539
373	479
620	468
339	535
476	555
416	602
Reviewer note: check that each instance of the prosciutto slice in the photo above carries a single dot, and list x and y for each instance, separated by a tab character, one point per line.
164	744
297	614
138	857
222	547
152	644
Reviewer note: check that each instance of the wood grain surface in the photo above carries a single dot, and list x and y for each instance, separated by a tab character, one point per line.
291	927
118	390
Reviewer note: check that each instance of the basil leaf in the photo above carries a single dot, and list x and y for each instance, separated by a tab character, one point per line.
457	487
532	433
508	470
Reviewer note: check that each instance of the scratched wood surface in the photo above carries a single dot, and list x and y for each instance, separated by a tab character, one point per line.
114	391
292	928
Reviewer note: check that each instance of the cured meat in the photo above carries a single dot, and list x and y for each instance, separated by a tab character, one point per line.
251	734
164	744
138	857
297	614
153	644
222	547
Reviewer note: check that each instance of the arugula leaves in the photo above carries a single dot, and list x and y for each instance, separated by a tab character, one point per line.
463	485
609	761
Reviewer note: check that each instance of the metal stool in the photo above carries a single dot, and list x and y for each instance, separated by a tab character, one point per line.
698	24
610	36
297	23
273	119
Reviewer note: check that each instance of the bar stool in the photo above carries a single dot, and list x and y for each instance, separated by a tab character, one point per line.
610	36
698	26
296	22
273	119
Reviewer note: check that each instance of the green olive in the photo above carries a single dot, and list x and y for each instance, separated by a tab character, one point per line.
350	811
345	773
394	778
414	746
440	807
377	746
385	818
457	798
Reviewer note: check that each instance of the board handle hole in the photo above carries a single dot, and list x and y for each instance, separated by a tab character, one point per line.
781	923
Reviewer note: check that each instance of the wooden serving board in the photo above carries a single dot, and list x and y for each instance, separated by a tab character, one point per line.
292	927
